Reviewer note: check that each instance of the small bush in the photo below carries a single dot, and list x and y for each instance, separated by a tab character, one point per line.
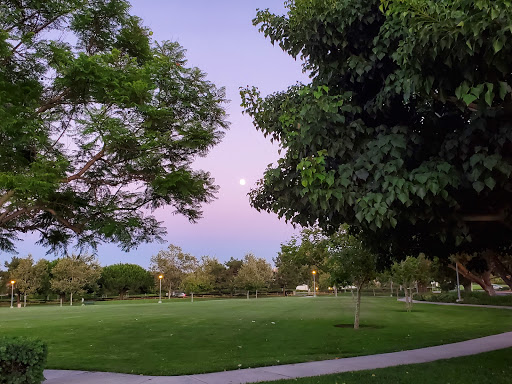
22	360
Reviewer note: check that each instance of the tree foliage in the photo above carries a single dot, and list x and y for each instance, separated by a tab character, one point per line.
124	278
30	276
404	131
174	265
99	125
255	273
72	274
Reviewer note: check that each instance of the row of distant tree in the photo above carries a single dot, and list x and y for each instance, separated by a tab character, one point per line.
180	271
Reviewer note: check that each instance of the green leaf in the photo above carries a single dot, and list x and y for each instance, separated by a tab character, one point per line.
497	45
503	89
469	98
393	222
490	162
304	183
490	183
489	96
478	186
359	216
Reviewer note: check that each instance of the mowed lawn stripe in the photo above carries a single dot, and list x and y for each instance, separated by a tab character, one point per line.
180	337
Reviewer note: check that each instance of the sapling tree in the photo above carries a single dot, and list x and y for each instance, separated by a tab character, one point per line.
254	274
351	263
29	276
409	273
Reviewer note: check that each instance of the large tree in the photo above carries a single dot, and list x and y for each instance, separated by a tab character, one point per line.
174	265
72	274
124	278
254	274
99	125
404	131
29	276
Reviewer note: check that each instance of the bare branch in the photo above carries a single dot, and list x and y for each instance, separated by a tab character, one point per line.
63	221
53	101
89	164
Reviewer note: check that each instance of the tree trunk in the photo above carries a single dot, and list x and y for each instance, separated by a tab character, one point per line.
71	299
391	289
467	286
24	301
499	268
358	308
247	295
352	292
373	291
284	291
256	294
170	291
192	297
335	291
484	280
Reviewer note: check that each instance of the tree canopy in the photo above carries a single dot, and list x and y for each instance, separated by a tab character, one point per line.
123	278
99	125
404	132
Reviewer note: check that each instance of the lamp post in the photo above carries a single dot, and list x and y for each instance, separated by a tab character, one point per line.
160	277
314	283
12	292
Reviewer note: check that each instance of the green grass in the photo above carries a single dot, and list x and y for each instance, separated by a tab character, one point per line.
491	367
179	337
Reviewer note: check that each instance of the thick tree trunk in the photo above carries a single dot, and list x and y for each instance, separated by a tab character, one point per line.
484	281
467	286
358	308
499	268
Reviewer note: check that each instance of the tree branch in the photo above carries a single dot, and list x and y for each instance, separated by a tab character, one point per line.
88	165
53	101
5	198
63	221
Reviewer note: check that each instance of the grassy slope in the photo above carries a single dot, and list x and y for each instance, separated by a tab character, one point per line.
492	367
180	337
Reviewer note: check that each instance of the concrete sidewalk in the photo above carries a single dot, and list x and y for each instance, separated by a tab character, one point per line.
289	371
457	304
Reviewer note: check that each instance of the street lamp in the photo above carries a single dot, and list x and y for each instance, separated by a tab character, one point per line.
12	292
160	277
314	283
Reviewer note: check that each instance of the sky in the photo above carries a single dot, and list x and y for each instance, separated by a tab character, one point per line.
220	39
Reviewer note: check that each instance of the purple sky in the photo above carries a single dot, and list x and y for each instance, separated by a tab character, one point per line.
220	39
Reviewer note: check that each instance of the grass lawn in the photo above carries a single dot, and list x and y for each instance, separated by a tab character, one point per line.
491	367
179	337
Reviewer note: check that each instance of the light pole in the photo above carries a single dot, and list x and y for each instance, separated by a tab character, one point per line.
12	292
160	277
314	283
458	284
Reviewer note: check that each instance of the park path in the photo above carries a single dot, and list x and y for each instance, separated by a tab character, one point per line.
291	371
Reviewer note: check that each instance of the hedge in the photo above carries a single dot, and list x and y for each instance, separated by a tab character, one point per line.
22	360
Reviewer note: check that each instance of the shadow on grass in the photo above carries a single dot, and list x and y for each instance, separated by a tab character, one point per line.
366	326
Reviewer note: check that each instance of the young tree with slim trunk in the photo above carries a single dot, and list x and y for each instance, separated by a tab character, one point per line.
29	276
73	273
351	263
409	273
174	265
397	134
99	125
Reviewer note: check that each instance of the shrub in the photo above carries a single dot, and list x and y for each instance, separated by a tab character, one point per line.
481	298
22	360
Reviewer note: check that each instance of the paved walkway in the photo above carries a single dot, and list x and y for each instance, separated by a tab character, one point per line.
458	304
290	371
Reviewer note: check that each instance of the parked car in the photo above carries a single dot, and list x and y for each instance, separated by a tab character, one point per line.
179	294
496	287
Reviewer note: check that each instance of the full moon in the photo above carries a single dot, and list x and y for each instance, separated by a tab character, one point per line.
242	181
